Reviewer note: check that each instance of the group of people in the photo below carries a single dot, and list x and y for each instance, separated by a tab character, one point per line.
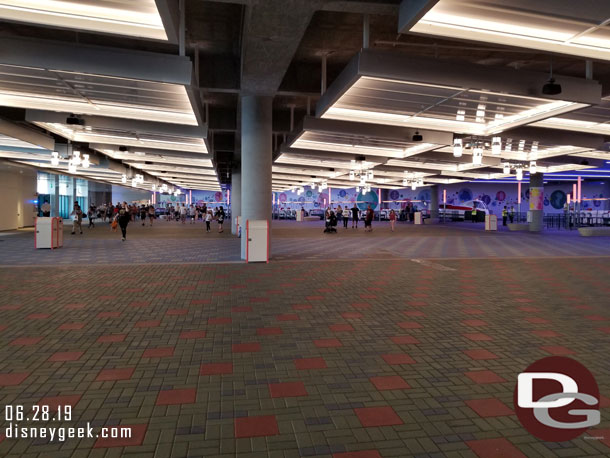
121	214
194	213
344	214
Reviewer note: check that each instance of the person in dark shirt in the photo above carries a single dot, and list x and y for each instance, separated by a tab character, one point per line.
143	212
355	216
123	217
220	217
91	216
368	219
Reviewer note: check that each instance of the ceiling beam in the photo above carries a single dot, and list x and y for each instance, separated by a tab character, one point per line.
170	16
411	11
96	60
27	135
546	136
385	132
393	66
130	125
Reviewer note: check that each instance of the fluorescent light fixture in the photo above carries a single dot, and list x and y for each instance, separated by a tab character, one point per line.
128	138
71	166
477	155
85	162
496	145
569	30
533	167
54	158
381	87
506	168
183	114
303	143
426	120
575	125
457	147
136	19
308	161
519	173
124	178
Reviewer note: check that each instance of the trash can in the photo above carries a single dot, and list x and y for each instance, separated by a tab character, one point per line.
491	223
49	232
257	241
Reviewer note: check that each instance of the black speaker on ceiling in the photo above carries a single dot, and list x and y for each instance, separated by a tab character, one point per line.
73	120
551	87
417	137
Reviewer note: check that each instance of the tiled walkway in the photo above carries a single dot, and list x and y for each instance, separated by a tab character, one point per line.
387	358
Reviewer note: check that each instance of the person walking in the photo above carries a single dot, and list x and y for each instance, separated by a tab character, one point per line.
91	216
368	219
151	214
355	216
183	212
511	214
134	212
77	219
192	213
473	213
208	221
220	216
392	219
123	217
504	216
143	214
339	213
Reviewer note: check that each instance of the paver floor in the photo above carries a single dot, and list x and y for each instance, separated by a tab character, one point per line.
361	357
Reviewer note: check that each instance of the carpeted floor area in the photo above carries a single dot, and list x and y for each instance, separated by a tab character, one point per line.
349	358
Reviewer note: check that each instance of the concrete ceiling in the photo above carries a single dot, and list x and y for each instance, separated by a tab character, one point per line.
276	47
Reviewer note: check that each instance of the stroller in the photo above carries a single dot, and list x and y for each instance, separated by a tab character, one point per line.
331	223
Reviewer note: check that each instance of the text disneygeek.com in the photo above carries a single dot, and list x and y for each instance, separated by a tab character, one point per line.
14	415
62	433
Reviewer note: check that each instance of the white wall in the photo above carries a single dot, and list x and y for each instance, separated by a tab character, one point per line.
129	195
18	194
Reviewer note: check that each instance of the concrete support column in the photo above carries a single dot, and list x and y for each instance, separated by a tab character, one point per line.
256	156
235	197
73	194
55	197
434	201
536	201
